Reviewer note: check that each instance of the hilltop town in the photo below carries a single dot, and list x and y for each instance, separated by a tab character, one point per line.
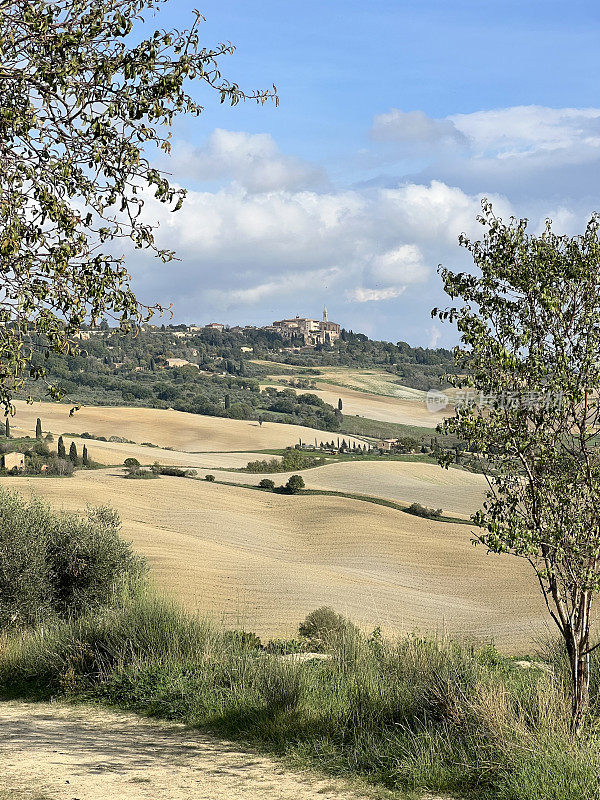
302	331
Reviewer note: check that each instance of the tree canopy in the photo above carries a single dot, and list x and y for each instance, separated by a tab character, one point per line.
529	404
81	102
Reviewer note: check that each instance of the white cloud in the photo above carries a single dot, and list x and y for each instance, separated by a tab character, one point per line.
415	128
289	284
528	130
528	153
267	235
362	295
245	250
252	160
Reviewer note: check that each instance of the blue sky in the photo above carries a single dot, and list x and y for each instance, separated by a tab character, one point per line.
395	119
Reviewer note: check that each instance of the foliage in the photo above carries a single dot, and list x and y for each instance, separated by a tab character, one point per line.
83	98
73	457
422	511
174	472
321	624
291	459
266	483
209	478
295	484
530	335
418	714
58	565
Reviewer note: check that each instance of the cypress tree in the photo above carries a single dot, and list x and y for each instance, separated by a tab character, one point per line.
62	453
227	401
73	454
7	429
340	404
84	458
38	428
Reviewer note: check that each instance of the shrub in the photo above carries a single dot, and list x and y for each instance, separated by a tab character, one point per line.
209	478
266	483
142	474
416	714
422	511
294	484
322	624
42	449
291	459
174	472
58	565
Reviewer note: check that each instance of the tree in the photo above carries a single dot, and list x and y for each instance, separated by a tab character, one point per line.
38	428
73	457
60	564
529	320
227	402
7	428
83	96
294	484
266	483
131	465
340	404
84	457
60	449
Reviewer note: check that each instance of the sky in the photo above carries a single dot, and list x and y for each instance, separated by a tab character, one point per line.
395	119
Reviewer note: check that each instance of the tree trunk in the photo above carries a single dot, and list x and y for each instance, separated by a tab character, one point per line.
579	661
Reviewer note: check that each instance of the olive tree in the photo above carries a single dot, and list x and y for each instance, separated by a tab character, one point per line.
83	98
528	369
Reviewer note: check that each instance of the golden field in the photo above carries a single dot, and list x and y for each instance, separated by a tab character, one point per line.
192	433
265	560
370	393
455	491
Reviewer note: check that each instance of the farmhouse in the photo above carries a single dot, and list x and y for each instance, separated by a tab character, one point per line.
13	461
387	444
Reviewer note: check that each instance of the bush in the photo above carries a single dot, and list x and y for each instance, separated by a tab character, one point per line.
422	511
412	715
58	565
209	478
322	624
291	459
294	484
266	483
142	474
174	472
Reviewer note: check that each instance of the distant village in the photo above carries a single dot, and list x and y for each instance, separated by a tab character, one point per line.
299	330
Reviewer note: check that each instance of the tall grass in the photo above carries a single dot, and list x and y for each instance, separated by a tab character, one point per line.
419	713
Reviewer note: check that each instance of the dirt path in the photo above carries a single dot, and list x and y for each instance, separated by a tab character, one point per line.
83	753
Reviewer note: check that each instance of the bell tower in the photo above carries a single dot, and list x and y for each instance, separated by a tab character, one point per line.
325	317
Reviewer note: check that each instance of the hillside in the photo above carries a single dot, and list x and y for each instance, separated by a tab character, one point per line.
235	375
268	559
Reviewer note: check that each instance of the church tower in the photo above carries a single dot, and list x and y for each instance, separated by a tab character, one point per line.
325	317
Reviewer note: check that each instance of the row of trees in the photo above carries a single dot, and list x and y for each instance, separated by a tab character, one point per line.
73	454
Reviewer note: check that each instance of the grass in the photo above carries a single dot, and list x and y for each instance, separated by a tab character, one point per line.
22	794
417	714
374	429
